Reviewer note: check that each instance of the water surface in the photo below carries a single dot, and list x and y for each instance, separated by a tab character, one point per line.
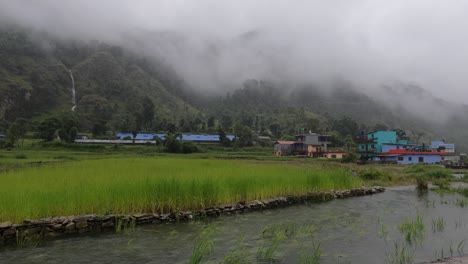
355	230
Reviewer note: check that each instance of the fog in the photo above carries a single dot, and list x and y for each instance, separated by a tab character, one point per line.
218	44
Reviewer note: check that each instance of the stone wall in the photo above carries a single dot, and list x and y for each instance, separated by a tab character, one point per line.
33	230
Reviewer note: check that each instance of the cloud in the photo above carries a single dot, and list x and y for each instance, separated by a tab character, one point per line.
214	44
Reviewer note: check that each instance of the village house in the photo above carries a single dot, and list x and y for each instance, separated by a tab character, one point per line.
308	144
283	148
371	144
402	156
442	146
393	146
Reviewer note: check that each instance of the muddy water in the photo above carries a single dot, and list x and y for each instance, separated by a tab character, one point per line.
355	230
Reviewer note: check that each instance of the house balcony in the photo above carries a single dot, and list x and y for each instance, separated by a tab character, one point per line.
364	140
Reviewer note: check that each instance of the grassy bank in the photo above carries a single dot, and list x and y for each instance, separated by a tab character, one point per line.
153	184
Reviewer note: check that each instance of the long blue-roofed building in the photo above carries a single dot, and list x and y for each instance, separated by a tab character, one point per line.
196	138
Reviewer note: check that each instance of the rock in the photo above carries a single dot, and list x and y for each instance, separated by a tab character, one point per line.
9	232
107	224
45	221
6	224
70	226
81	224
57	227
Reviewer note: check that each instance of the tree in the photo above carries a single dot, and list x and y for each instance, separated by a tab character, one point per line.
17	131
47	129
226	122
211	122
224	140
69	131
275	128
172	144
380	127
244	135
147	112
346	126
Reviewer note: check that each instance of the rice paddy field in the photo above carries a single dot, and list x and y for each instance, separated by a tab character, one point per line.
153	184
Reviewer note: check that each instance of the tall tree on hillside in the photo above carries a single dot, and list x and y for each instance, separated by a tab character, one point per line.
17	131
147	112
244	135
47	129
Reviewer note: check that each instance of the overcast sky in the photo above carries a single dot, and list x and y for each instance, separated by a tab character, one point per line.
369	42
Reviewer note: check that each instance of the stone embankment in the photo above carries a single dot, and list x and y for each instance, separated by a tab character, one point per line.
31	230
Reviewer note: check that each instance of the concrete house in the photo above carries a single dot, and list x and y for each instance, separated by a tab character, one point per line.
402	156
283	148
442	146
371	144
312	144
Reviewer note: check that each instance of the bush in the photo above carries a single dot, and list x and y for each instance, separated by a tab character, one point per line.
373	174
439	173
349	158
421	184
189	147
442	184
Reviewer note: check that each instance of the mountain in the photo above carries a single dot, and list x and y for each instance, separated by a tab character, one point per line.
121	89
110	83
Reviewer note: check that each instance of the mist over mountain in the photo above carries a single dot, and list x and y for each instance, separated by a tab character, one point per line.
373	61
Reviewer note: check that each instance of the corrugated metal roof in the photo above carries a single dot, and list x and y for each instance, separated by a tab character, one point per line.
186	137
283	142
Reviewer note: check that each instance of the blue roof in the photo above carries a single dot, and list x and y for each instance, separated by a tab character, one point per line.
186	137
2	136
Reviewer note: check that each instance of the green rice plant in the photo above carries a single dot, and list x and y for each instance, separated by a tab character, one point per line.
21	156
460	247
203	245
313	256
123	224
400	255
274	236
438	225
154	185
25	239
239	254
412	231
461	202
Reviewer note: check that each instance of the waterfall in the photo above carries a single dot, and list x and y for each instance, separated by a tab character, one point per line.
73	91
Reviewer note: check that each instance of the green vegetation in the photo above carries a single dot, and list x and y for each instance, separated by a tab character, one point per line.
163	184
412	231
438	225
203	245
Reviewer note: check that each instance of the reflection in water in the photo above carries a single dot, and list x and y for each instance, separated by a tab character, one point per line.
356	230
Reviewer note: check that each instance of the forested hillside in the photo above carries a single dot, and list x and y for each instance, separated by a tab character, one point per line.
119	90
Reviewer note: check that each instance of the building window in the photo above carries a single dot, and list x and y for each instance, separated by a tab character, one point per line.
333	156
410	158
372	146
363	147
421	159
400	158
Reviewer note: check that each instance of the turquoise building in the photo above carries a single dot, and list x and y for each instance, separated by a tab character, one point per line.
371	144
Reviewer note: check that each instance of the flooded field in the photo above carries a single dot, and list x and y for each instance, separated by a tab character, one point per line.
398	226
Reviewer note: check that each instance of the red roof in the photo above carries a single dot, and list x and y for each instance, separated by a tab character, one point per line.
281	142
405	152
